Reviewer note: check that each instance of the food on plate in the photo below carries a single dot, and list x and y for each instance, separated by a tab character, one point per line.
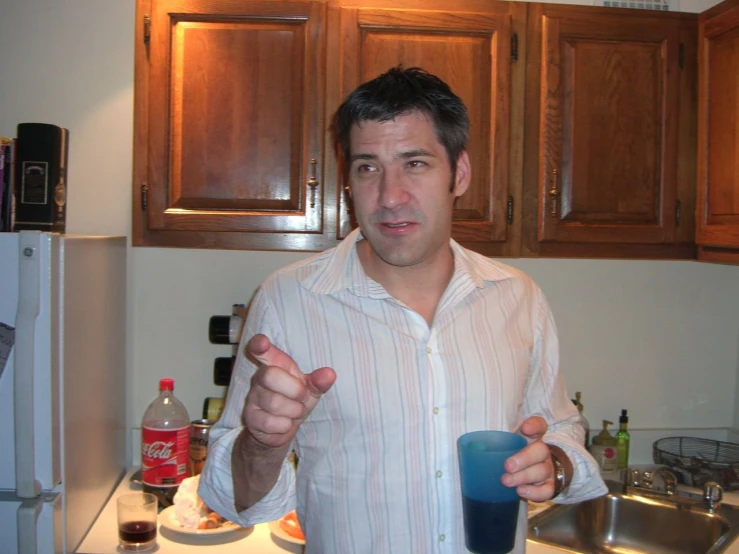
290	525
189	509
211	521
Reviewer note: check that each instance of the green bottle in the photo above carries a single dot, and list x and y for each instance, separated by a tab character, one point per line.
622	440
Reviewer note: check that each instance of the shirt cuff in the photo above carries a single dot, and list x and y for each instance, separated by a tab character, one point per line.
216	487
586	480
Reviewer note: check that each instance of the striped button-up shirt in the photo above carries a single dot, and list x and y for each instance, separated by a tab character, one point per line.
378	470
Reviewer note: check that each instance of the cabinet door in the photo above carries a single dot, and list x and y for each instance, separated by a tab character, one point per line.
602	151
471	51
718	134
230	143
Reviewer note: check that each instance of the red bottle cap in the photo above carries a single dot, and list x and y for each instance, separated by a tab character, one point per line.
166	384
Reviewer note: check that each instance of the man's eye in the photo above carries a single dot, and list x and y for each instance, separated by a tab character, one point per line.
414	164
365	168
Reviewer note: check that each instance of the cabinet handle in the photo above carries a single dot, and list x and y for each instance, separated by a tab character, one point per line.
554	192
313	183
347	199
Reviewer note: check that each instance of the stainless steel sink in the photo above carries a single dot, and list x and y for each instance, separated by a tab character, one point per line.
633	521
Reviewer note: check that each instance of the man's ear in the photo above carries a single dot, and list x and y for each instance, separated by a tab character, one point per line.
463	174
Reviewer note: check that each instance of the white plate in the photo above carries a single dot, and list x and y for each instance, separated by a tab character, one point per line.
274	527
168	519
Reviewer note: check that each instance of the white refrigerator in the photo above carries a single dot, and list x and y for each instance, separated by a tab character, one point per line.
62	386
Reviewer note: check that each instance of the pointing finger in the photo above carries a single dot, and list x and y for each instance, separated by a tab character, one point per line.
277	380
265	353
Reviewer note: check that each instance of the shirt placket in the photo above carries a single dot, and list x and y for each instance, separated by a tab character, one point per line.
441	466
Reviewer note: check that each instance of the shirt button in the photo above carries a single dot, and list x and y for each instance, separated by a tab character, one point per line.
436	410
442	538
428	350
438	474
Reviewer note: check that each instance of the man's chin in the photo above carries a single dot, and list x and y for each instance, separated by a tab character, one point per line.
395	257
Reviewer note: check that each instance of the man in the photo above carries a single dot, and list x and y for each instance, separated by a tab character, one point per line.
372	358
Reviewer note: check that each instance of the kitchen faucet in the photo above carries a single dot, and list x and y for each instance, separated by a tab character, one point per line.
669	480
712	492
635	478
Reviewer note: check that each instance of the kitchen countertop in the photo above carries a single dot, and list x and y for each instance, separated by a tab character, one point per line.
103	537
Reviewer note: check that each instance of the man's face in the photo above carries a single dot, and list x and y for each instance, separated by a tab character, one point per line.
400	176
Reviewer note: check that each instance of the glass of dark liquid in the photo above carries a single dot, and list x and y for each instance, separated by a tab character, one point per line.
137	521
490	508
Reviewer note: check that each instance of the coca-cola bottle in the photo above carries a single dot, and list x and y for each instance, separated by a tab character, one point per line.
165	431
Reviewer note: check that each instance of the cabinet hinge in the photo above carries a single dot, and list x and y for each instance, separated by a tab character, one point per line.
509	215
144	197
514	47
147	29
681	55
678	210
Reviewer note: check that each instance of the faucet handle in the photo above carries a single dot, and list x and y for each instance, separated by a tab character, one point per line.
670	480
632	477
647	479
713	494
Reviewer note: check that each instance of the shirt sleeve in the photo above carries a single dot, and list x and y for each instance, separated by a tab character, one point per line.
546	396
216	481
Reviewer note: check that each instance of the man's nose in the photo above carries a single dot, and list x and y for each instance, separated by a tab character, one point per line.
393	192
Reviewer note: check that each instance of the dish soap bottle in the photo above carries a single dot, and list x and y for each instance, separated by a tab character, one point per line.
622	440
577	401
604	449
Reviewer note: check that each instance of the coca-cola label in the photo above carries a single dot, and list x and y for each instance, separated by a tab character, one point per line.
164	456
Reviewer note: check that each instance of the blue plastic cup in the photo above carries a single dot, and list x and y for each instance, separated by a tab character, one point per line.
490	508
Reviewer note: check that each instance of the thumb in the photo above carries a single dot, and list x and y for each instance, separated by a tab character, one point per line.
320	381
534	427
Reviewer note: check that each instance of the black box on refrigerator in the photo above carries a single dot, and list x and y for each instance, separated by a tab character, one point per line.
41	177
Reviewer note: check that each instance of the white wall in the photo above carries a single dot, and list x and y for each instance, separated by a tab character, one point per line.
658	338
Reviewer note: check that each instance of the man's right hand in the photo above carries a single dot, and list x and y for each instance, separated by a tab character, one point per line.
281	396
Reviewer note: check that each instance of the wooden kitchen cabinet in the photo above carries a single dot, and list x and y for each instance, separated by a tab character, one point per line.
582	138
717	234
229	124
473	46
234	101
609	141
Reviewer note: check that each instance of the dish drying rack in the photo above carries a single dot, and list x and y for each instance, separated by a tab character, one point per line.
696	461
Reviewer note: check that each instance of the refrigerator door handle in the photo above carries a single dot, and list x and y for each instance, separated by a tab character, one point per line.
28	514
28	310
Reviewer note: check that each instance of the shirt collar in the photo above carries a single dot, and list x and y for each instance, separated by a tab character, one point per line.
342	270
479	269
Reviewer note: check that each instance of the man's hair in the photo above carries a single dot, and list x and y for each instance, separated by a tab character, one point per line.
400	92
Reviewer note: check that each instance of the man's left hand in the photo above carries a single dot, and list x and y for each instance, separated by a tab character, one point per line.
531	470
